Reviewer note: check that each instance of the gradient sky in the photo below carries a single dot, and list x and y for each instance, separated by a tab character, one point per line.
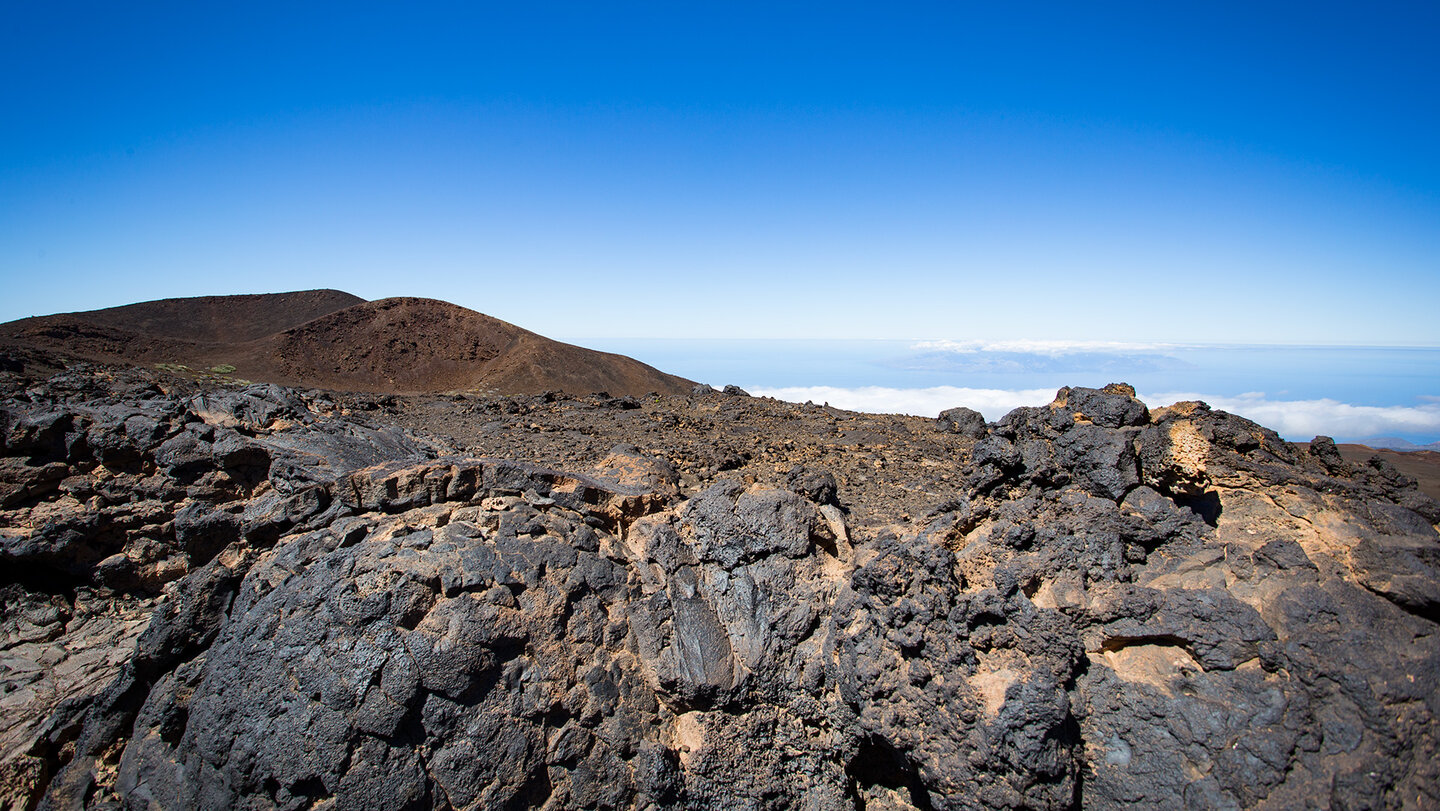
1247	172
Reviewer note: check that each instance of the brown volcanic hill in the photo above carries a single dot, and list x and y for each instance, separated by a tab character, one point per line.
222	319
331	339
177	330
203	319
413	345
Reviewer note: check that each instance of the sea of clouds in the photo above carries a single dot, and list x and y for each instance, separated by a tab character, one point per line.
1036	346
1350	393
1297	420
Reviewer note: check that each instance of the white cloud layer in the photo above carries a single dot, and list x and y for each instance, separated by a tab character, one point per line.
993	403
1292	419
1039	347
1303	419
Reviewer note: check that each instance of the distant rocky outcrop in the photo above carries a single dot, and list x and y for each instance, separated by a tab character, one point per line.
1391	443
266	597
326	338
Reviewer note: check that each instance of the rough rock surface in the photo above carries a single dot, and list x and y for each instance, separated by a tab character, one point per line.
277	599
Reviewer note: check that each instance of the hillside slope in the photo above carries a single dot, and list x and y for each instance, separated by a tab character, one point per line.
219	319
331	339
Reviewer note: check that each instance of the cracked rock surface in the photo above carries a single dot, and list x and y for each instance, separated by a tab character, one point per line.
271	598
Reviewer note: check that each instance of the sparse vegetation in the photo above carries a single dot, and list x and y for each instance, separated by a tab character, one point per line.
216	375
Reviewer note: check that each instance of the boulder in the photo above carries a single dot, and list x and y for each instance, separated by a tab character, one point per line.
962	421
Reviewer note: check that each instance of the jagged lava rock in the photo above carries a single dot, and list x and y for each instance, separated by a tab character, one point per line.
701	601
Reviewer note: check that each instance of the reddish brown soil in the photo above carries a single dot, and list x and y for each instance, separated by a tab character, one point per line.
330	339
412	345
1422	466
203	320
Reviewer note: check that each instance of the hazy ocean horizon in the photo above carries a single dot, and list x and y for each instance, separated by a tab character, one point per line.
1348	392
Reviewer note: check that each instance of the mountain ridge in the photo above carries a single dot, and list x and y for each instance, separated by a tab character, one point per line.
332	339
1392	443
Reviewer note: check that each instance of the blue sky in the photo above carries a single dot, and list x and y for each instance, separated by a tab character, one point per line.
1061	171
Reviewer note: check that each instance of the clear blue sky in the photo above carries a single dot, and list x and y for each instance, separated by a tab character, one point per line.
1260	172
